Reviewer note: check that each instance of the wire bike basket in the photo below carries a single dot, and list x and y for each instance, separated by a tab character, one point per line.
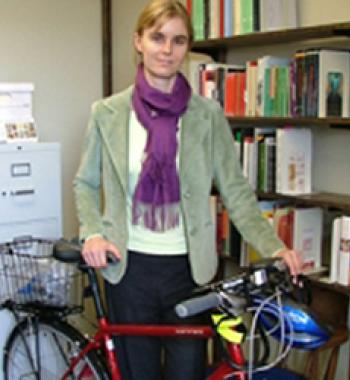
30	276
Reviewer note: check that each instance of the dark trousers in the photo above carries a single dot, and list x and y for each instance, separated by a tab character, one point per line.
147	294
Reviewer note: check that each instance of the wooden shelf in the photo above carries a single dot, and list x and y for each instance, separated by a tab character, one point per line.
330	286
334	122
322	199
314	278
275	37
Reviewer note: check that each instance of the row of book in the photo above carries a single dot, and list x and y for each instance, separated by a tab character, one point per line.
276	160
227	18
299	228
314	83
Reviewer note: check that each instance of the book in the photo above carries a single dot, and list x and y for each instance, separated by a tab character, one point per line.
344	252
335	243
266	148
256	15
228	18
251	87
221	18
311	87
307	236
191	68
250	160
300	83
189	6
198	18
263	65
293	161
247	17
214	17
269	182
283	224
333	83
278	14
237	20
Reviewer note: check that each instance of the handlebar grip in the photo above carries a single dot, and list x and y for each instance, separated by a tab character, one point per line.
196	305
70	252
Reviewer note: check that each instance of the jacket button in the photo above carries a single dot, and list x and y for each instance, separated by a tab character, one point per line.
186	194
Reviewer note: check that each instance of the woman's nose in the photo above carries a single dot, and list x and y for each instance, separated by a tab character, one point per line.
167	47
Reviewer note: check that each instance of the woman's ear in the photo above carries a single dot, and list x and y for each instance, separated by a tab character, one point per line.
137	43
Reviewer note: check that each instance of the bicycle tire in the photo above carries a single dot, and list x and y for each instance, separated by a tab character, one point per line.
59	341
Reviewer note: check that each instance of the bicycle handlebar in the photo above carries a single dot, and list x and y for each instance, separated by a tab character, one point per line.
70	252
198	304
232	294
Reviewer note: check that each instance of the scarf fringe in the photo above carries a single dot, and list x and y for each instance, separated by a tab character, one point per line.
159	219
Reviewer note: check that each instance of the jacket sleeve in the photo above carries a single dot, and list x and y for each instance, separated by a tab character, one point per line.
236	192
87	182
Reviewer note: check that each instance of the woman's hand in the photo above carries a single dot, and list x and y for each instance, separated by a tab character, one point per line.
95	251
293	259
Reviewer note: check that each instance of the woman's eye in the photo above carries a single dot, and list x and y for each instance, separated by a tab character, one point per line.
180	40
157	37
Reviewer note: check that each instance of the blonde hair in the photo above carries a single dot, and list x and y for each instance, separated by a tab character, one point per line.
159	11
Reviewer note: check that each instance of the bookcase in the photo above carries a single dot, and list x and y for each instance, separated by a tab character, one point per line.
331	300
221	48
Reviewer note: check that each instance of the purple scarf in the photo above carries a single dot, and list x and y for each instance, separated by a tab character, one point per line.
157	194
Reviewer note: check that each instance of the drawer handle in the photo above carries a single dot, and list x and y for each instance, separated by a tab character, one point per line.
22	192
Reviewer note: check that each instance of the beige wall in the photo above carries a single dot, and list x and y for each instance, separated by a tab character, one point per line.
57	46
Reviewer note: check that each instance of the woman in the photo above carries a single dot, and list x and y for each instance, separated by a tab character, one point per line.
155	150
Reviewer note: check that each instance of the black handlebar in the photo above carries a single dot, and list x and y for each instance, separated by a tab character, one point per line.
232	295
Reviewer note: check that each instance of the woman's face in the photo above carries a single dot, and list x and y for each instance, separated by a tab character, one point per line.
163	49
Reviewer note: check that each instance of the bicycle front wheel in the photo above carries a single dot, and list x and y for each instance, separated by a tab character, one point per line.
39	349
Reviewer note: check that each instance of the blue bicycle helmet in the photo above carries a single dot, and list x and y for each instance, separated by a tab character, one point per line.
307	334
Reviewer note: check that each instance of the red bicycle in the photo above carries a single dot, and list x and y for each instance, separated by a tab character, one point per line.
43	345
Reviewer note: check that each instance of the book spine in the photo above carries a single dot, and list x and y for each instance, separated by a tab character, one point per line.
270	165
189	6
300	73
228	18
344	252
221	19
334	265
207	19
293	90
256	15
198	19
246	17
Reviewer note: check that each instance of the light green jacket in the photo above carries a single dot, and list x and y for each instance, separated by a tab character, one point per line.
206	155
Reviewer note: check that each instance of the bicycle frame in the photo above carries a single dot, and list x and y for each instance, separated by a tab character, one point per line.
103	340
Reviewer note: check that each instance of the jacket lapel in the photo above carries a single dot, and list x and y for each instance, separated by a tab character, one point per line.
114	127
114	124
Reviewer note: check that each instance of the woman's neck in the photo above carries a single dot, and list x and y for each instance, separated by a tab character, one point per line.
162	84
